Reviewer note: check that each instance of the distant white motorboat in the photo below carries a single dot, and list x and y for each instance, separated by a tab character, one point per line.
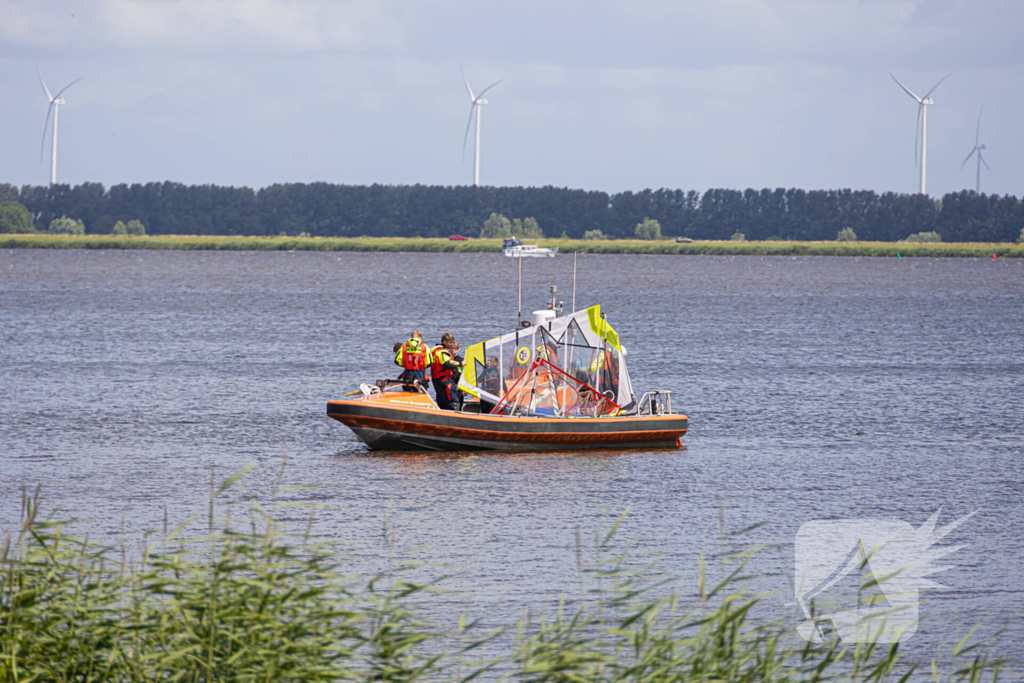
515	248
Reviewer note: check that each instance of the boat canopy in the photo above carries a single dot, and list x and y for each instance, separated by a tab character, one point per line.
512	242
569	366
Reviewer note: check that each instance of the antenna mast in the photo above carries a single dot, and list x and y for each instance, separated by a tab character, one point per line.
520	321
574	255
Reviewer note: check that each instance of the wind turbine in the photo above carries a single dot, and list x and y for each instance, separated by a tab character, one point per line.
55	102
977	149
922	122
476	101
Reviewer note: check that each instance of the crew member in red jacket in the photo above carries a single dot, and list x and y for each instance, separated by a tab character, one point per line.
442	373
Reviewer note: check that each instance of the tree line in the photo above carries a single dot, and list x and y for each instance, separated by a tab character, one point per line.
323	209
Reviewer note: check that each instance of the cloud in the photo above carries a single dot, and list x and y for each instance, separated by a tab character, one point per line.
259	26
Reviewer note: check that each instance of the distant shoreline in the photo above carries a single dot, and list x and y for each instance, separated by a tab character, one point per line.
413	244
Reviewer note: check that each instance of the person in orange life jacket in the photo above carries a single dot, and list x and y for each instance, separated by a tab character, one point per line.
607	364
414	356
442	372
546	352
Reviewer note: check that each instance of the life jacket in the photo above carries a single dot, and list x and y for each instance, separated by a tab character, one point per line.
414	355
437	368
604	364
546	352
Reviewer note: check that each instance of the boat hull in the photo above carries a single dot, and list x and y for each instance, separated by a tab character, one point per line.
544	252
384	426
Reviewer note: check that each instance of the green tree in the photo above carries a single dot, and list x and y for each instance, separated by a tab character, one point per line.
119	229
531	229
8	193
496	226
136	228
738	237
1020	240
846	235
649	229
594	235
66	226
14	217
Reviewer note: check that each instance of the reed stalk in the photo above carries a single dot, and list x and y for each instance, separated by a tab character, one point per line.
266	605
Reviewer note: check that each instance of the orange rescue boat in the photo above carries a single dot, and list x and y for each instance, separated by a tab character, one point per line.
557	383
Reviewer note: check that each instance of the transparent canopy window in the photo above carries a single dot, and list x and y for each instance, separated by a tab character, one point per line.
571	366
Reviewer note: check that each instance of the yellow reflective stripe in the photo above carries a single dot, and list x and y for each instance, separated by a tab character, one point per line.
601	328
474	355
439	353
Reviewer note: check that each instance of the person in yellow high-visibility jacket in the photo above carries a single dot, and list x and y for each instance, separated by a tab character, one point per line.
414	356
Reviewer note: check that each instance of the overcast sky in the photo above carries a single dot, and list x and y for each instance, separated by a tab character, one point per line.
599	94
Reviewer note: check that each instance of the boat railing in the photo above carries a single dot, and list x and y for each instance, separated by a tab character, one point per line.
383	385
655	403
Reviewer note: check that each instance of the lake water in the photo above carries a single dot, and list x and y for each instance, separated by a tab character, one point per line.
817	388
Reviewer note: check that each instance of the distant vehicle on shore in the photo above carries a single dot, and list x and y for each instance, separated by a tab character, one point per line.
683	240
458	238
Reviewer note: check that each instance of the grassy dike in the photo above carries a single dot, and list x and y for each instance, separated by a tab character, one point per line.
415	244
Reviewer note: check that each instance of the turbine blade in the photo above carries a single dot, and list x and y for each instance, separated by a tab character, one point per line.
68	86
983	161
469	124
45	89
472	97
969	157
488	88
938	84
42	144
977	131
905	88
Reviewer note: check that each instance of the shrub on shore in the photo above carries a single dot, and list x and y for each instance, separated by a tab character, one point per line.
594	235
498	227
649	229
528	228
923	237
738	237
119	229
15	218
846	235
66	226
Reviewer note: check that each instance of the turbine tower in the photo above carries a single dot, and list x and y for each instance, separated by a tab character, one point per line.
977	150
476	101
922	122
55	102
